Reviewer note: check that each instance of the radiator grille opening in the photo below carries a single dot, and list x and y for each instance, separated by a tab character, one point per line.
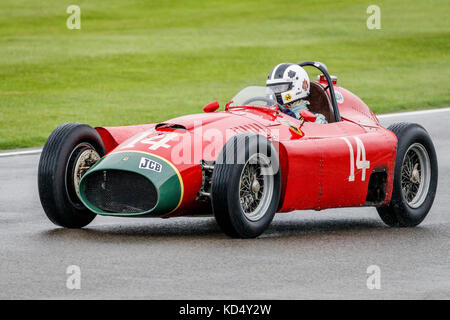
119	191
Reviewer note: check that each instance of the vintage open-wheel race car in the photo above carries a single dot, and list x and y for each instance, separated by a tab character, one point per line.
242	164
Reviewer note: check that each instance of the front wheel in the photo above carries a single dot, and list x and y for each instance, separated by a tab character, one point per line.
415	177
69	152
246	186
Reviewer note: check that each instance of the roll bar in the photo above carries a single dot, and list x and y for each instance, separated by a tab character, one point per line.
323	68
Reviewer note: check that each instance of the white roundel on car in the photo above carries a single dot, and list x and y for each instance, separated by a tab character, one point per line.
339	97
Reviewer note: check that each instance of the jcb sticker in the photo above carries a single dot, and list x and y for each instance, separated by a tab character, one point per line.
150	165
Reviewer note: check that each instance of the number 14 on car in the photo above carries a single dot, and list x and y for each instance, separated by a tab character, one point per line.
361	162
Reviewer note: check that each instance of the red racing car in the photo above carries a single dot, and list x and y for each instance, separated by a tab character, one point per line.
242	164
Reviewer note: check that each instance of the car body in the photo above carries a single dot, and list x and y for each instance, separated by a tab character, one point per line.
167	169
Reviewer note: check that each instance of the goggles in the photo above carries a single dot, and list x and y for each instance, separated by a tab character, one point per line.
280	87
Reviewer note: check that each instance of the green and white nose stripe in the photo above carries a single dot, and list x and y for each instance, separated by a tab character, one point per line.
164	176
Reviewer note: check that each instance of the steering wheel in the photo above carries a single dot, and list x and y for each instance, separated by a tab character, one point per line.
269	102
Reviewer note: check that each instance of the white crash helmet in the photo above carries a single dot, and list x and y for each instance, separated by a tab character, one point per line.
289	82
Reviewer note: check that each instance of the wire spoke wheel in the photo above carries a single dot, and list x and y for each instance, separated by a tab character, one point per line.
246	190
86	159
415	175
256	187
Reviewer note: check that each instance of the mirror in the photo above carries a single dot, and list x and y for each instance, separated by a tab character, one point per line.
211	107
308	115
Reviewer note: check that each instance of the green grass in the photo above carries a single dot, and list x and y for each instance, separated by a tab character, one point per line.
141	61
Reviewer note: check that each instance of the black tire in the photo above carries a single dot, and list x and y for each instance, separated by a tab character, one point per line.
226	178
55	175
400	213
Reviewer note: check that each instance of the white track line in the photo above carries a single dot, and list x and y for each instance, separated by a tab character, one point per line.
381	116
20	153
412	113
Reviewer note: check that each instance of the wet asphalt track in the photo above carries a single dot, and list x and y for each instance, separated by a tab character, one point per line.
303	255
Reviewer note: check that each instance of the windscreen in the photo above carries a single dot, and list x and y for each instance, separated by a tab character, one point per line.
254	95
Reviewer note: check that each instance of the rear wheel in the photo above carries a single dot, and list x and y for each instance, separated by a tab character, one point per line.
246	185
69	152
415	177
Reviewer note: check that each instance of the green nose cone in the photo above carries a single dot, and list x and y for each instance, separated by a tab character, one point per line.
132	184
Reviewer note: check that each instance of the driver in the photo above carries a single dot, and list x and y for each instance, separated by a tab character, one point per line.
290	83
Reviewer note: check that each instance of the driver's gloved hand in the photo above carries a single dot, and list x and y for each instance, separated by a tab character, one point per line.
289	112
